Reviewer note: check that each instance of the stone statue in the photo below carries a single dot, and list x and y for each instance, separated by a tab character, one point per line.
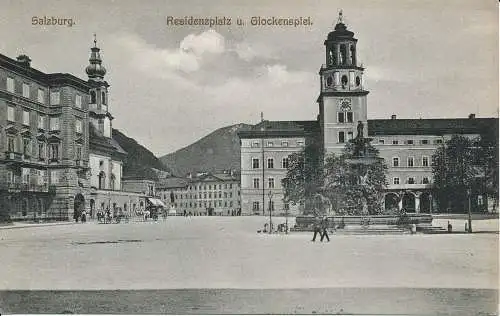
360	130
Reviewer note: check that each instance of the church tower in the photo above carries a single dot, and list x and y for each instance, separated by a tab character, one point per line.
342	100
99	114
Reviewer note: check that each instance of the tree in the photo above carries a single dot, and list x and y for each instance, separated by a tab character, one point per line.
304	175
349	185
458	166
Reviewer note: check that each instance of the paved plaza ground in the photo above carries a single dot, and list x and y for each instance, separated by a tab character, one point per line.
227	253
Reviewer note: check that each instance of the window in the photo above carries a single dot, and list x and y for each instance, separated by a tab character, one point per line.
54	176
425	161
26	118
410	161
341	137
230	203
344	80
256	183
26	90
41	96
54	152
78	101
409	141
10	84
26	147
341	117
54	123
284	144
411	180
255	144
11	144
285	163
270	183
425	180
41	150
349	135
255	206
438	141
286	206
230	194
78	126
255	163
270	144
395	161
209	195
100	125
300	143
381	141
55	97
395	180
26	175
102	180
78	152
349	117
270	163
10	114
424	141
41	122
103	97
92	97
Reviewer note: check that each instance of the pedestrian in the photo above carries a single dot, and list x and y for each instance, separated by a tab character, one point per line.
324	229
317	228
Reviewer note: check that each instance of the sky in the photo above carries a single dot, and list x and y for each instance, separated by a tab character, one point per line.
172	85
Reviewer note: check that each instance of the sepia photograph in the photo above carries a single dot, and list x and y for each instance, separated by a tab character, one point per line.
243	157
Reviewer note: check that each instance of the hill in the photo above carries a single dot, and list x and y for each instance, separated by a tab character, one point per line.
219	150
140	162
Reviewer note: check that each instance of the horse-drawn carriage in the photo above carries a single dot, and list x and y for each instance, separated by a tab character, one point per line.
105	217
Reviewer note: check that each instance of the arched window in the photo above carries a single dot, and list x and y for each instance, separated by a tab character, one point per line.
92	97
353	55
100	124
103	97
102	180
344	81
343	54
358	81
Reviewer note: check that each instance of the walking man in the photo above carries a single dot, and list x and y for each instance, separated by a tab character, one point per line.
317	228
324	229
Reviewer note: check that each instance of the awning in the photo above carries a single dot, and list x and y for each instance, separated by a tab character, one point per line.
156	202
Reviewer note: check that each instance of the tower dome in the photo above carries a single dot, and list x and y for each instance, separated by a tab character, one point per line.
95	70
340	32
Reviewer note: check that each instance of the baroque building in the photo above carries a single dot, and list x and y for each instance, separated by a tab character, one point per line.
205	193
57	154
406	145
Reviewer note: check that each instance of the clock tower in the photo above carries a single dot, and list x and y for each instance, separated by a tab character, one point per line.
342	100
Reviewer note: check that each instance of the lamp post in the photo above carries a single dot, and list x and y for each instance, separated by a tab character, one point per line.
286	220
270	213
469	227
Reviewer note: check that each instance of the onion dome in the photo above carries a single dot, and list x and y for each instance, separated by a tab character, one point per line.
340	31
95	70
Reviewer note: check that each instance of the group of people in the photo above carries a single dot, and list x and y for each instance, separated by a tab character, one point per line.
321	228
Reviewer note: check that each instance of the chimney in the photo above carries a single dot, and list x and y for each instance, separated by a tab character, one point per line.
393	117
24	60
472	116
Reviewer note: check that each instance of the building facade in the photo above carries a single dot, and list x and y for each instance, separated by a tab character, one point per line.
406	145
265	151
203	194
57	154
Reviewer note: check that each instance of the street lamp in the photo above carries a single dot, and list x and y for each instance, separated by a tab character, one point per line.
469	227
270	209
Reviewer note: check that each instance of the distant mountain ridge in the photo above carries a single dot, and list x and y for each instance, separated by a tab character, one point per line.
140	162
219	150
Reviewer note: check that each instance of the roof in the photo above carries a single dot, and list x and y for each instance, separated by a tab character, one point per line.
99	142
281	129
171	183
53	79
482	126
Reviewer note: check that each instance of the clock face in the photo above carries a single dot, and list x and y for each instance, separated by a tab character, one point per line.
345	104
